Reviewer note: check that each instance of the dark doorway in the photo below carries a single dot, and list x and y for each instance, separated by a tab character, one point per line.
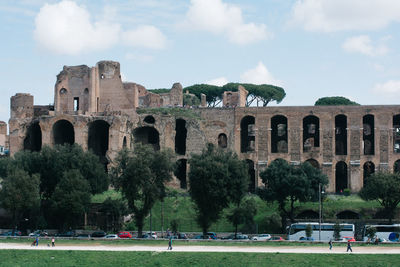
396	167
368	134
147	135
98	139
180	137
63	132
341	135
252	176
369	168
180	172
341	176
33	139
396	134
279	136
222	141
124	142
310	133
313	163
247	134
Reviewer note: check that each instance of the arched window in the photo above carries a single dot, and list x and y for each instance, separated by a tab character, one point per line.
310	133
369	134
396	167
313	163
63	91
149	119
33	139
252	176
180	137
279	136
247	134
147	135
396	134
222	140
341	176
369	168
180	172
341	135
63	133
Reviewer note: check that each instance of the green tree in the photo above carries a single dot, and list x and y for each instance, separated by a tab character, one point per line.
190	100
217	177
141	176
370	232
287	184
309	230
263	93
70	200
383	187
213	93
19	193
335	101
336	231
243	214
114	209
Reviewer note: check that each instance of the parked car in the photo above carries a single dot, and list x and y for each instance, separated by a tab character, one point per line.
202	237
10	233
303	238
152	235
124	235
237	237
66	234
83	236
182	236
111	236
38	233
262	237
98	234
346	238
212	235
276	238
241	237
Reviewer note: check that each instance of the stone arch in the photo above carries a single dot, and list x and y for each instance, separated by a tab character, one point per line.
33	139
222	140
180	136
98	139
310	133
369	134
149	119
63	133
247	134
341	135
252	175
396	133
181	172
396	166
147	135
341	178
308	214
279	135
313	163
348	215
368	169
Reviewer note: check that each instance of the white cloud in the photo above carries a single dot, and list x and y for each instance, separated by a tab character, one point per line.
391	88
218	17
145	36
363	44
67	28
221	81
259	75
338	15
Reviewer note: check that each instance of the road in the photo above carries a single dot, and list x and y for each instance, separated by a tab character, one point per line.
182	248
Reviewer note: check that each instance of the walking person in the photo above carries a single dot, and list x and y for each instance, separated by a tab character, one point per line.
330	244
37	240
349	246
53	242
170	243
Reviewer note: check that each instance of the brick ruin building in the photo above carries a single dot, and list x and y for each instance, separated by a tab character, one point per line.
94	108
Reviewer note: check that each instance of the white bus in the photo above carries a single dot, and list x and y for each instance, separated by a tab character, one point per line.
297	231
389	232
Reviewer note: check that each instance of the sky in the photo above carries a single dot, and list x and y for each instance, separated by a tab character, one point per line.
311	48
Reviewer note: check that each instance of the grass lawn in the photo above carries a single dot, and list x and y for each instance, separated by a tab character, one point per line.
104	258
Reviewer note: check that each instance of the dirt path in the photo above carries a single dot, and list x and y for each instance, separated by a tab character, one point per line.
180	248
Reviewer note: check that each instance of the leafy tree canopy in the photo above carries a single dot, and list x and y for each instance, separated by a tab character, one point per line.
51	163
217	177
141	175
383	187
286	183
159	91
71	199
190	100
19	193
335	101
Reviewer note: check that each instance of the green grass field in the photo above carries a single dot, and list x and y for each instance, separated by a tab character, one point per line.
103	258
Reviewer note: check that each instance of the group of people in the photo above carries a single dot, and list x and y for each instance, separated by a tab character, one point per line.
36	242
348	245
